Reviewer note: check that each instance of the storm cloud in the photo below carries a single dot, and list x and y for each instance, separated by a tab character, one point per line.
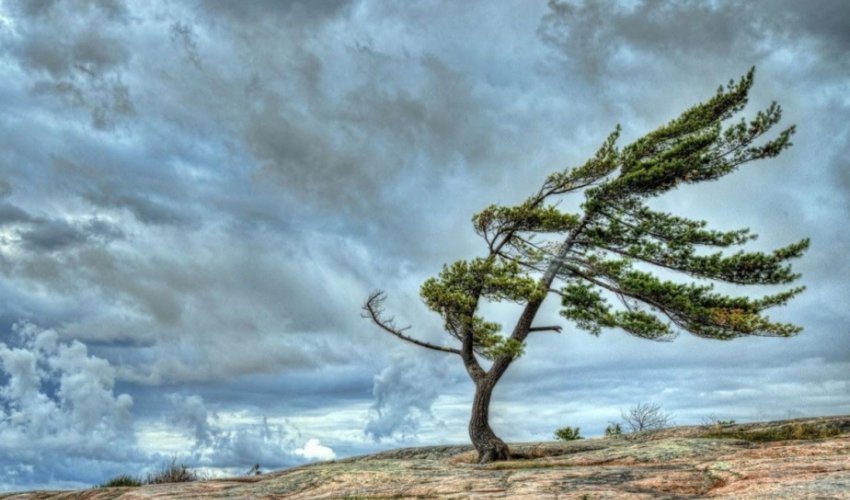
195	199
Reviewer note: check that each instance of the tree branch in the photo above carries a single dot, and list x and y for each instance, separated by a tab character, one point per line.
523	325
671	315
374	311
555	328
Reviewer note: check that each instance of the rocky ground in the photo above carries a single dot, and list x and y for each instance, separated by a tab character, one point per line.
807	458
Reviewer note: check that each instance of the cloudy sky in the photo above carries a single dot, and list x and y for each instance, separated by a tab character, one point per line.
196	197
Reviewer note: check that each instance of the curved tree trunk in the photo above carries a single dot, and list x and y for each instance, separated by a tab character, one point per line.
490	448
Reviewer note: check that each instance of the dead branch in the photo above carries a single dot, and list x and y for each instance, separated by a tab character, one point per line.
374	310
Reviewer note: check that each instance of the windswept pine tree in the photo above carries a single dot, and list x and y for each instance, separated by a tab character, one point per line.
599	261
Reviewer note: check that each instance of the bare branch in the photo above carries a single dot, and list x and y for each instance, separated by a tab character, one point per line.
555	328
374	311
646	417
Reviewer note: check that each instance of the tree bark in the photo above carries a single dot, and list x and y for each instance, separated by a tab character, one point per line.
490	448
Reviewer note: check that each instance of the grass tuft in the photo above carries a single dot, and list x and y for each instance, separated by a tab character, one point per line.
788	432
172	473
122	481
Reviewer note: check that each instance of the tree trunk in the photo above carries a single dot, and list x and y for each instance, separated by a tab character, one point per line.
490	448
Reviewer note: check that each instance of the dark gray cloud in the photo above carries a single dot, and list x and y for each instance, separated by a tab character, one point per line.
109	183
295	13
402	116
201	195
10	214
50	236
76	53
39	234
612	37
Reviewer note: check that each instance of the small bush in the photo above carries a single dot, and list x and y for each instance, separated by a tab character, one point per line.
714	421
646	417
172	473
122	481
613	429
568	434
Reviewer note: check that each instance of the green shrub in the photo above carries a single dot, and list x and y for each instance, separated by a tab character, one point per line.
124	480
714	421
614	429
568	434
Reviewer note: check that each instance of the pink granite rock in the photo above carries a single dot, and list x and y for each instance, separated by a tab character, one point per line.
807	458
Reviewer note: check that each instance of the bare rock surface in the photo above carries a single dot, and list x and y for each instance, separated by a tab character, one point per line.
805	458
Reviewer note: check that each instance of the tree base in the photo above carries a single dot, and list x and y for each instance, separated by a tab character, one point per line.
494	452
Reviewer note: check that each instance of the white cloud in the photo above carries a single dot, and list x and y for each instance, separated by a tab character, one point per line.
222	441
59	397
404	392
314	450
58	403
62	425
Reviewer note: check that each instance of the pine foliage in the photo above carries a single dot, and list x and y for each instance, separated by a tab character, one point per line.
603	261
